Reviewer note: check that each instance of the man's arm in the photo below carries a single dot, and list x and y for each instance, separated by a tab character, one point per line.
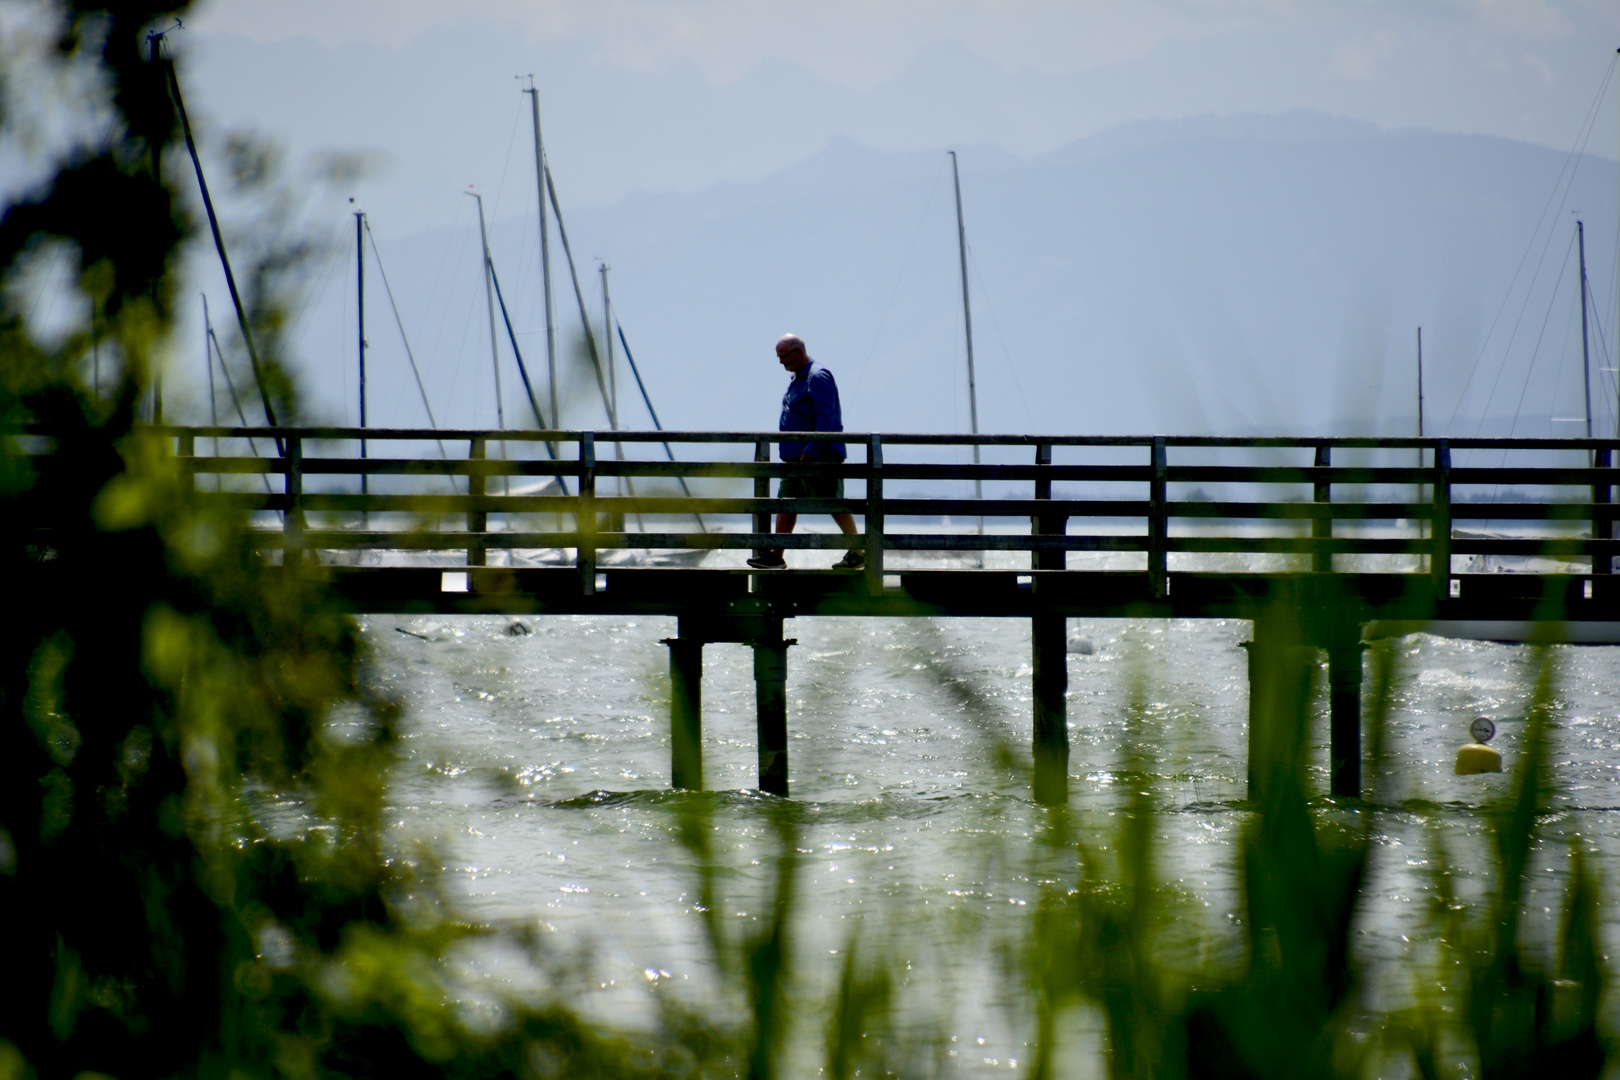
824	402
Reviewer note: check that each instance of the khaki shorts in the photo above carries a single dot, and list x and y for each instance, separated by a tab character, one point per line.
810	487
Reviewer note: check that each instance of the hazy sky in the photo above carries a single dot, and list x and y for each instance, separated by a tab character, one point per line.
667	95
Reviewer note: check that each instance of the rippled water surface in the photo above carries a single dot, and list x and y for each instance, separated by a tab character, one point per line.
539	763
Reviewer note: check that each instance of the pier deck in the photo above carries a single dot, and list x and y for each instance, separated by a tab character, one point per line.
1309	538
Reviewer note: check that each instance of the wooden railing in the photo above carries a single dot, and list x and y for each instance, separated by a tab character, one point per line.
1147	490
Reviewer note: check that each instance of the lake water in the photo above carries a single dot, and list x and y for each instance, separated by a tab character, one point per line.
539	765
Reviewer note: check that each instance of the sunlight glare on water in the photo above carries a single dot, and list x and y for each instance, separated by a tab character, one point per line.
539	765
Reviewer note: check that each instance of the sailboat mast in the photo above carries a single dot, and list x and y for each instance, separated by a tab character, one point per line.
489	300
967	321
545	252
1586	361
613	380
360	310
208	358
607	334
1420	382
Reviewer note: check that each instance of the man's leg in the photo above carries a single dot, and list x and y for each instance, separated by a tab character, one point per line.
853	559
785	524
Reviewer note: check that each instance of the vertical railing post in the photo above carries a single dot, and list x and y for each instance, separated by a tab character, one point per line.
186	446
293	519
762	490
1601	564
874	514
1440	541
477	520
1158	523
1322	527
1047	524
587	513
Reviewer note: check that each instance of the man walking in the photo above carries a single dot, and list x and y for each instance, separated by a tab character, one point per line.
810	404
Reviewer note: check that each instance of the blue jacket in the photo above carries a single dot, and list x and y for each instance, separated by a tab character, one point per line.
811	404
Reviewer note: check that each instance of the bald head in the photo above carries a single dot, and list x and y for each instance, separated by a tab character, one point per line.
790	352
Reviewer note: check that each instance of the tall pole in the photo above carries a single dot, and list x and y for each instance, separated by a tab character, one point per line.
489	300
360	308
545	251
1422	489
607	333
1586	361
967	325
208	358
1420	381
219	246
967	319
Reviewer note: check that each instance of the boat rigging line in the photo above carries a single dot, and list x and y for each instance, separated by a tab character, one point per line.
166	62
523	370
654	414
967	324
579	296
541	175
409	354
613	386
1563	181
489	299
230	384
208	359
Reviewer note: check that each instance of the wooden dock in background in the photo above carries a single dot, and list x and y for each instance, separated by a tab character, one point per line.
1318	509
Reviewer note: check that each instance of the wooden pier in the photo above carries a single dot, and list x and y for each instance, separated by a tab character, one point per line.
1343	532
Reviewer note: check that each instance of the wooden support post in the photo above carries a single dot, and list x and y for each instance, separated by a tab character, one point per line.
874	515
762	489
1322	528
1280	669
1344	717
586	517
293	519
1051	684
186	446
1601	521
685	713
770	689
477	520
1440	541
1047	524
1158	523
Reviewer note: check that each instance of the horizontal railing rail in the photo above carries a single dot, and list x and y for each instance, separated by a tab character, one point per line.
1148	495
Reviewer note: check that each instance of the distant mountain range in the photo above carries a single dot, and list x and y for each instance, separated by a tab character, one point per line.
1220	275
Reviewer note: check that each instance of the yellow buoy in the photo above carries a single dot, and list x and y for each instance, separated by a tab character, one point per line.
1476	757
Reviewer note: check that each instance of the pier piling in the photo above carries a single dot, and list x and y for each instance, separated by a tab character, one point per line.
1344	718
770	687
686	713
1051	685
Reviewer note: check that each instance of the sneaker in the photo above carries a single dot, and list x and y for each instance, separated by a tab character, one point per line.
852	560
767	561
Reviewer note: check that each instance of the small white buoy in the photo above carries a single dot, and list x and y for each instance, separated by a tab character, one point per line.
1476	757
518	628
1082	645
